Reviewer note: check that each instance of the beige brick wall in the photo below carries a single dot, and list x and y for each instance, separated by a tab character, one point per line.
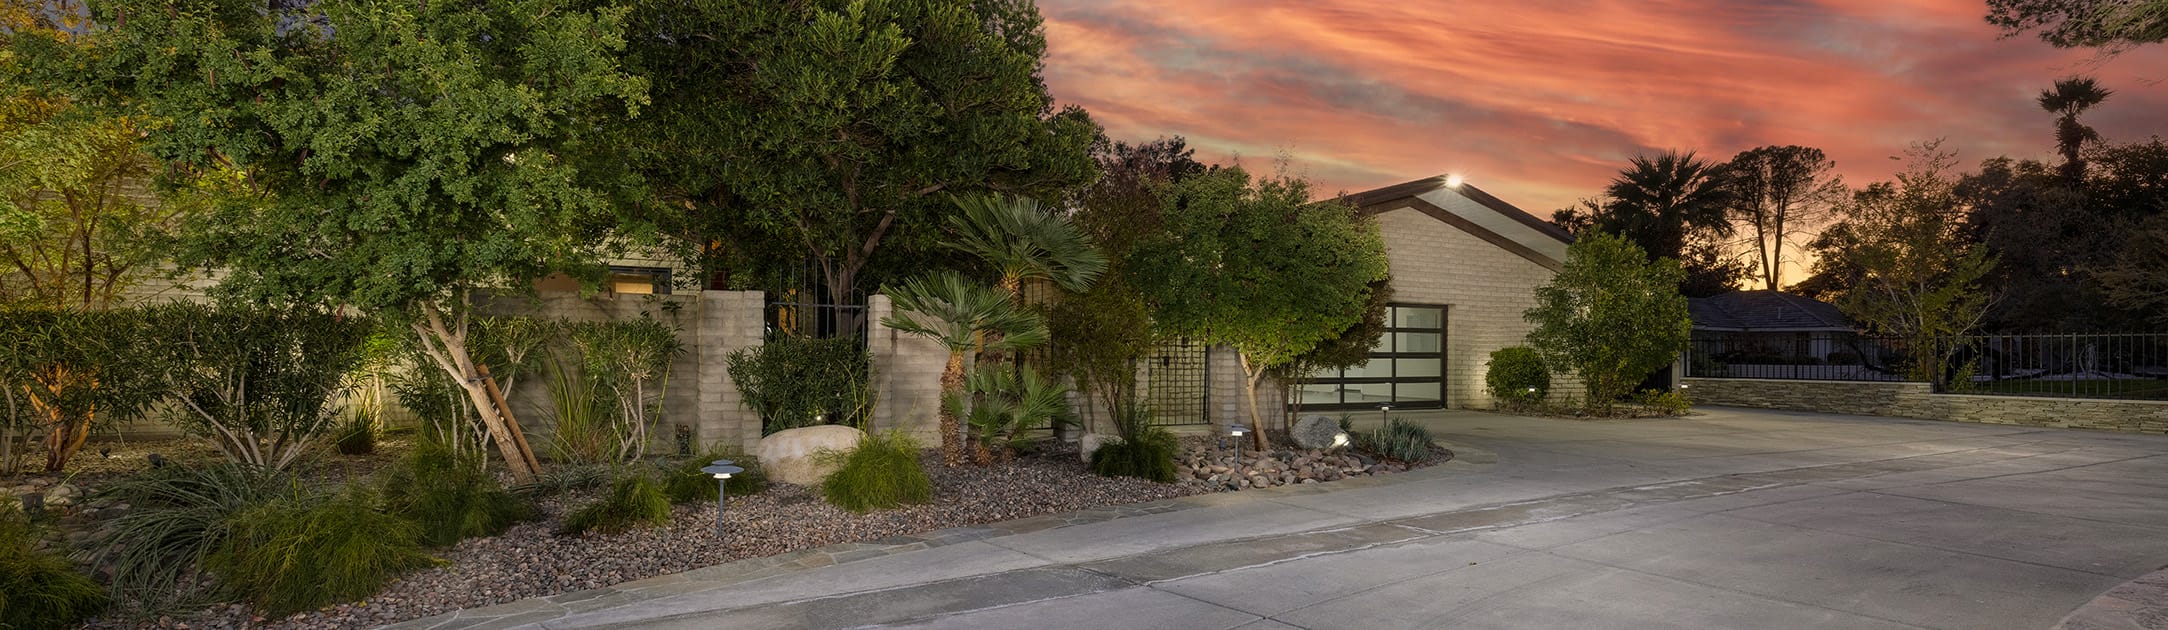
1483	287
907	369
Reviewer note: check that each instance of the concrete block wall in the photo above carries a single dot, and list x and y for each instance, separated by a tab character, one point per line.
1483	287
728	321
529	395
1918	400
907	371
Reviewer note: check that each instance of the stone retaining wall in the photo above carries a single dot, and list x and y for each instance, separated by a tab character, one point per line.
1918	400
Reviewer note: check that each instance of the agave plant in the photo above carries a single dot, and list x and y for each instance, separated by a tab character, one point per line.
963	316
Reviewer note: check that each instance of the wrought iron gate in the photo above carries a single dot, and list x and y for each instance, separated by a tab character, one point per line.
1178	383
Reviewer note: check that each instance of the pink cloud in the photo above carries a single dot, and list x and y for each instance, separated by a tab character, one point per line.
1541	102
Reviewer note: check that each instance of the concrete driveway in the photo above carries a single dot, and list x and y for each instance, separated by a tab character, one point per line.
1727	519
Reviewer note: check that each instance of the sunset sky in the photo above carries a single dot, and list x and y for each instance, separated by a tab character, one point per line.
1542	102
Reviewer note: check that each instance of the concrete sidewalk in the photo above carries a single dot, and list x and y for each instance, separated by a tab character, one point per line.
1727	519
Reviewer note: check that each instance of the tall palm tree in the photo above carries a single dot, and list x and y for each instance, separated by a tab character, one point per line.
2067	99
1659	202
1026	242
962	316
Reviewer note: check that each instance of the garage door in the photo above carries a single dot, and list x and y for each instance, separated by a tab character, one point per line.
1406	368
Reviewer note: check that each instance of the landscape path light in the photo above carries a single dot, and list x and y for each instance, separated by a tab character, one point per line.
1237	431
722	469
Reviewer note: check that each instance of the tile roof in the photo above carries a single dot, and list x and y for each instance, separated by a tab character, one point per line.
1765	311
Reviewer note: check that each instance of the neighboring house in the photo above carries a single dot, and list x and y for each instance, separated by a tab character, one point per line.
1786	328
1464	265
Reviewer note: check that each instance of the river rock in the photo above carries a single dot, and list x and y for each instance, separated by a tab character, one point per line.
788	456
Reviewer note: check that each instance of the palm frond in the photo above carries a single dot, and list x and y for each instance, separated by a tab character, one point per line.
1025	241
953	310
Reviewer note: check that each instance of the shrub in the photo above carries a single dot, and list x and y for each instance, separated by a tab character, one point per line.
68	372
796	381
557	479
1517	377
357	435
178	517
312	550
450	496
39	591
1611	316
583	432
1400	440
683	482
882	472
1004	404
634	501
629	360
1665	403
1143	450
258	382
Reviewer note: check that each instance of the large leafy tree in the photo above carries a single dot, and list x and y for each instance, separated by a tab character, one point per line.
396	155
2111	25
79	225
2137	278
1610	315
1919	274
1253	264
833	130
1779	194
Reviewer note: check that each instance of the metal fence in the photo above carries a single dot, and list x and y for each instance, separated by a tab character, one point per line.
809	319
1178	383
1822	356
2094	365
2126	365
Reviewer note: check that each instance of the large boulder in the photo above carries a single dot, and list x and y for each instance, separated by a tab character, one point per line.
1316	432
1089	444
788	456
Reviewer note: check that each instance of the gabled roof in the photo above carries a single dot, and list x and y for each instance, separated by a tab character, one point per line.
1473	211
1765	311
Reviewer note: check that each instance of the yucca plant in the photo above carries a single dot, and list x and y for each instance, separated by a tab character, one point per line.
963	316
584	433
1144	450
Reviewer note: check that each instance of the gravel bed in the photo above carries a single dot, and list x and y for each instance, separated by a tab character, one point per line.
531	561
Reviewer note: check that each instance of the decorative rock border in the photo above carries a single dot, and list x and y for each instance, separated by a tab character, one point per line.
2140	604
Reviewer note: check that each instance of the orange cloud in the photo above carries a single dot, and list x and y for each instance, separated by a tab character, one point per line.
1543	101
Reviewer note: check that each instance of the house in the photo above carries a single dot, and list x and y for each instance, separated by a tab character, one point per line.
1786	327
1465	265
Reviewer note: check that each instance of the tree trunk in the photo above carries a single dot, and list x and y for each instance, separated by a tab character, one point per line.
1252	375
952	383
446	345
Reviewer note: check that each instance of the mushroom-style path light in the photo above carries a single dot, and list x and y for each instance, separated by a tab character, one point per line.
722	469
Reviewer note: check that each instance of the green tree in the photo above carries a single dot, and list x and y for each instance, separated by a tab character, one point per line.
1610	315
1256	266
2069	98
1919	273
836	126
2112	25
79	224
2137	279
964	317
398	155
1778	194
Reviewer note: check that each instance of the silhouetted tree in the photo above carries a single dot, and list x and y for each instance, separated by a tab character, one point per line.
2066	100
1780	193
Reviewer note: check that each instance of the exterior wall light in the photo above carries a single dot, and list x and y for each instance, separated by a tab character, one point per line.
1453	180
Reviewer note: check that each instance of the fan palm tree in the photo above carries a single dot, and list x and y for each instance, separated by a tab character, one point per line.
1026	242
1659	202
962	316
2067	99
